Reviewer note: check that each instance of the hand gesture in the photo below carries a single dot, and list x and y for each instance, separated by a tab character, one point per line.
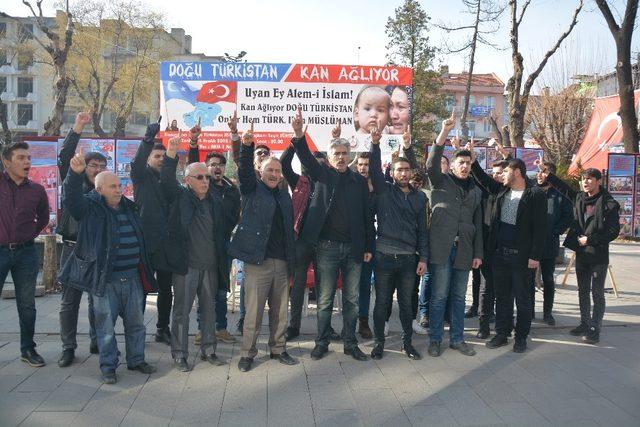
395	153
503	151
470	147
82	119
376	134
476	263
152	131
455	142
78	164
450	122
296	124
233	123
422	268
336	131
406	138
196	131
174	146
247	137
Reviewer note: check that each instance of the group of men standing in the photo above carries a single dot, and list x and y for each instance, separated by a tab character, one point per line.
179	240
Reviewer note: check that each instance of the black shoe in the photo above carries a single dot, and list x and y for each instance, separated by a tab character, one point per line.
519	345
549	320
472	312
240	325
244	365
411	352
284	358
32	358
356	353
497	341
318	352
483	333
334	336
377	352
143	368
579	330
463	348
93	348
181	364
291	333
66	358
109	378
163	335
435	349
212	358
363	328
592	336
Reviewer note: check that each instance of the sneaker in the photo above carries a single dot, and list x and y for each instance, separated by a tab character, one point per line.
240	325
435	349
472	312
363	328
318	352
520	345
463	348
498	340
109	377
386	329
198	339
224	336
592	336
424	322
579	330
418	329
143	368
32	358
291	333
549	320
66	358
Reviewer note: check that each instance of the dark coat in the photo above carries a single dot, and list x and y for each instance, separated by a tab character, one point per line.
559	216
172	253
250	239
531	218
600	231
325	180
90	265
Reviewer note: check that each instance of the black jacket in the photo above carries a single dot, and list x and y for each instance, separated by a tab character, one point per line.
154	208
402	221
325	180
558	220
531	219
251	236
172	253
601	230
68	226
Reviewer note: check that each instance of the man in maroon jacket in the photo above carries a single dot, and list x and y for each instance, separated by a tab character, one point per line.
24	213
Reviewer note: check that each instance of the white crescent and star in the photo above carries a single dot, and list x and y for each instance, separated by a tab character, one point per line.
225	88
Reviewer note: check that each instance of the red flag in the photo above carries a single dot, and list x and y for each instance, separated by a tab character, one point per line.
213	92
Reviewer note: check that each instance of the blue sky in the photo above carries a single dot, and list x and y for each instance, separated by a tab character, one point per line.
330	31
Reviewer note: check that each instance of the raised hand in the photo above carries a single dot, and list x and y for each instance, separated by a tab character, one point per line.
233	123
406	138
376	134
82	119
470	147
336	131
152	131
174	146
247	137
450	122
78	165
503	151
296	124
196	131
455	142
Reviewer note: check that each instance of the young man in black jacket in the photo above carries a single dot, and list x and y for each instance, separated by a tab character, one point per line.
516	240
596	223
154	212
68	229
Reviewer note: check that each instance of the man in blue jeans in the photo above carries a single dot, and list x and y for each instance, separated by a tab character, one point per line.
24	213
455	240
339	222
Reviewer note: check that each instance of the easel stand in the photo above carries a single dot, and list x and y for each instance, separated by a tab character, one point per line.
572	261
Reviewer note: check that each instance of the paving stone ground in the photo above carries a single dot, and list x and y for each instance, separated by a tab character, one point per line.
558	381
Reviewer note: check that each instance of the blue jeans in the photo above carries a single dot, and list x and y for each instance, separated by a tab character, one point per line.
124	298
23	264
447	283
365	288
334	256
220	300
425	294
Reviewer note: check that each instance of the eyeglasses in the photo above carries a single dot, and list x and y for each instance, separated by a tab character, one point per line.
99	167
262	153
200	177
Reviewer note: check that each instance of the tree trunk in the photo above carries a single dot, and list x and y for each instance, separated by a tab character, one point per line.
472	56
627	96
120	127
97	128
50	263
60	90
6	132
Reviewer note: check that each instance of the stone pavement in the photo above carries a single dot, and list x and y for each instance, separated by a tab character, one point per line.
559	381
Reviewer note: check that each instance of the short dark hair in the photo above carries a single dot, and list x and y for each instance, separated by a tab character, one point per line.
399	160
159	146
551	167
213	154
264	147
593	173
363	155
7	151
94	155
461	153
517	164
319	155
500	164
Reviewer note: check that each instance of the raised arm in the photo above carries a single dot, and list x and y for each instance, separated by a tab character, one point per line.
235	138
289	174
316	171
562	187
194	155
434	172
70	144
375	164
246	173
73	199
484	180
139	163
168	180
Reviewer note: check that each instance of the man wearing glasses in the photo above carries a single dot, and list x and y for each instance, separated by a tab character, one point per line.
194	250
68	229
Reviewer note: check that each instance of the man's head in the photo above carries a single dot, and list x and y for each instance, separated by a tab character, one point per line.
401	172
497	169
260	153
362	164
461	163
17	160
514	173
197	178
591	181
271	172
174	123
216	163
155	157
339	154
543	173
96	163
108	186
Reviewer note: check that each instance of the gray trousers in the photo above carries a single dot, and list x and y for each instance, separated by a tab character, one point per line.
204	284
262	283
591	278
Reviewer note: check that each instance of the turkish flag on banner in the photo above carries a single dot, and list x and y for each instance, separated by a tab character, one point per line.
213	92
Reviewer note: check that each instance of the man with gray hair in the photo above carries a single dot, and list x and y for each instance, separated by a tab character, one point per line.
193	249
340	225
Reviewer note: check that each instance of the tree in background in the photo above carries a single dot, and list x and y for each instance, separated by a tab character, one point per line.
622	34
407	32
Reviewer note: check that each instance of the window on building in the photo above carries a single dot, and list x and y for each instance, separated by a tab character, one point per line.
69	115
487	126
25	32
490	101
3	57
3	84
3	111
139	119
449	102
25	86
3	29
472	100
25	60
25	114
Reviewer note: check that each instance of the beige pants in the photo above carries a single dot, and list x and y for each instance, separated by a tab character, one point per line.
266	282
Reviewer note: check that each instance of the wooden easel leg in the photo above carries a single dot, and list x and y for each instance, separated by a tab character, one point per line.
568	269
613	281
